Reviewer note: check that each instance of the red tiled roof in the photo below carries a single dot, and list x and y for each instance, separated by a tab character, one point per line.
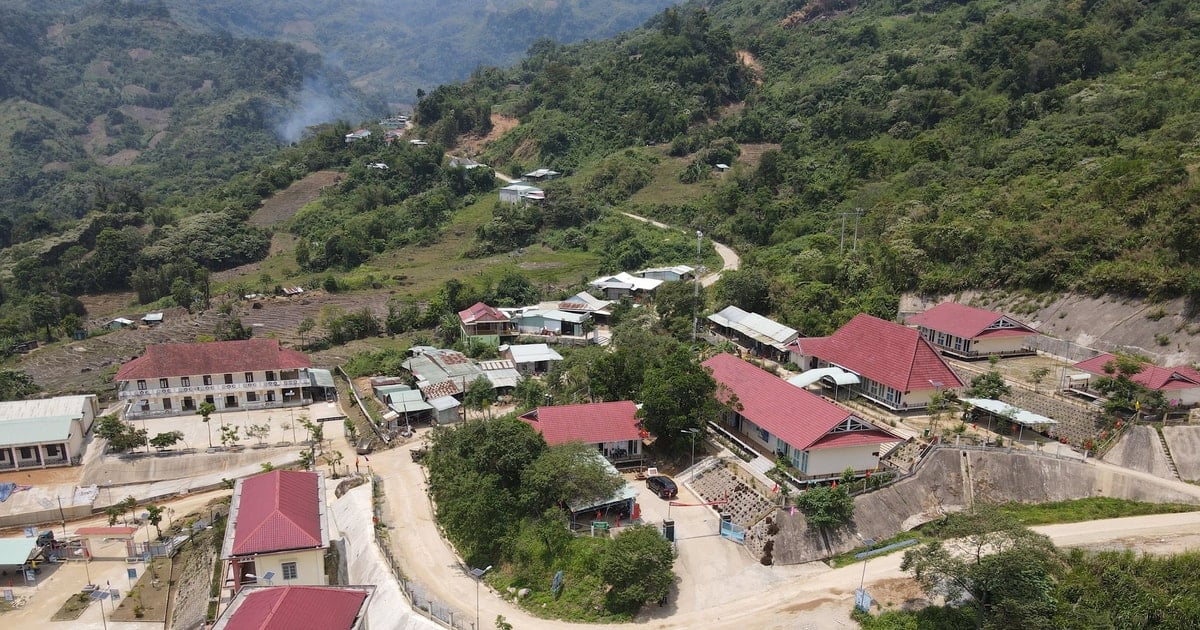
214	357
590	423
277	511
857	438
290	607
885	352
792	414
968	322
1151	376
480	312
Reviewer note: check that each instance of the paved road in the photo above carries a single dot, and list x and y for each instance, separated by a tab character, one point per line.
719	585
729	258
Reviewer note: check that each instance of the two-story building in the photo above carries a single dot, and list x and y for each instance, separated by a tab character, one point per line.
175	378
293	607
481	322
277	530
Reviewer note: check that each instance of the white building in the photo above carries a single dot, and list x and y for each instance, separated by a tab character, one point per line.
44	433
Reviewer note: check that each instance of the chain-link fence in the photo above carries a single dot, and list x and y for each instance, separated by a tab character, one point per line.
418	595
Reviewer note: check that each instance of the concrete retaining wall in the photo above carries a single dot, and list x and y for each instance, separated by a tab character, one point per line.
1184	443
388	609
950	479
1140	449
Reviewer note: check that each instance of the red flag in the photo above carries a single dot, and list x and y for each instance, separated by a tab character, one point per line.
775	489
835	484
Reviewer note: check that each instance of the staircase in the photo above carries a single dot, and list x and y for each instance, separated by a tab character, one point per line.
763	465
1166	450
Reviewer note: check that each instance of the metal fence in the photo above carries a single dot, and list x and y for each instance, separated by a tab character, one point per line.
418	595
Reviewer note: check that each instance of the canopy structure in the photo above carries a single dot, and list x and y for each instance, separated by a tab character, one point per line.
17	551
837	375
1009	412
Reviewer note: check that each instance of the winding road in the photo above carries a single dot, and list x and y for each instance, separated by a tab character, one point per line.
730	261
719	585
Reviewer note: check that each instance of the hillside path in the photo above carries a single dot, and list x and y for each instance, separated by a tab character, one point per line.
730	261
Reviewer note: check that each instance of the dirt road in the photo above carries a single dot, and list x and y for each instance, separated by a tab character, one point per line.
729	590
729	258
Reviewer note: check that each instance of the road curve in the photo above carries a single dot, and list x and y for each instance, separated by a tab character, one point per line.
729	258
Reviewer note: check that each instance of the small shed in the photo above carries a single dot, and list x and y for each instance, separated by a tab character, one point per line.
152	319
445	409
531	358
119	323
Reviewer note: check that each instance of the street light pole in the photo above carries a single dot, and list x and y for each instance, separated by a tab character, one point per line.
696	287
478	575
692	431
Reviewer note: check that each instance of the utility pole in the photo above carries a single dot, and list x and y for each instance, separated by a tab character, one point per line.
696	287
857	214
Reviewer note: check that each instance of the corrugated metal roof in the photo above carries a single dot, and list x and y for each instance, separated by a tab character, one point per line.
321	378
1018	415
507	377
533	352
45	407
19	431
755	326
443	403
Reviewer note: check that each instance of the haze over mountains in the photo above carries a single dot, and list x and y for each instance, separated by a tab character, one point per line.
394	47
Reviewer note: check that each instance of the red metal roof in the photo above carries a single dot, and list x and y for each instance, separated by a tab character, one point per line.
1151	376
792	414
277	511
590	423
885	352
969	322
291	607
480	312
214	357
856	438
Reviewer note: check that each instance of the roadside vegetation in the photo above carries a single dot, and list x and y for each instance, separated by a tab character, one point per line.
995	573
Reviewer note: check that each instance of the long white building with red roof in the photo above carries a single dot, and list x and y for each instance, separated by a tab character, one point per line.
277	530
292	607
819	438
895	366
174	378
967	332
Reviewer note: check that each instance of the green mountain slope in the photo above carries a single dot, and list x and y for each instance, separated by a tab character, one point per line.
1031	145
395	47
116	94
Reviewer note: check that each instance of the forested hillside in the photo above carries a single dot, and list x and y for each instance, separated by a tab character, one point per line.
1032	145
395	47
116	96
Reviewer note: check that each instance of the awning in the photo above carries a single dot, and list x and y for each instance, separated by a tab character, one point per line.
836	374
16	551
1009	412
320	378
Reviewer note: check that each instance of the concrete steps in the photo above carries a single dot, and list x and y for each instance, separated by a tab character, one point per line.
1170	458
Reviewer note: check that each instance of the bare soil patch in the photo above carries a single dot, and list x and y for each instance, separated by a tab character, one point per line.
53	167
107	305
140	54
748	59
299	27
283	205
43	476
96	137
155	139
149	595
501	125
752	153
124	157
148	116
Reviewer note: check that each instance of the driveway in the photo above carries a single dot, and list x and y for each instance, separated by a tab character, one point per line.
730	261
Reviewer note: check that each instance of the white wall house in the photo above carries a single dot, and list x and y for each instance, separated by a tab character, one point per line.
46	432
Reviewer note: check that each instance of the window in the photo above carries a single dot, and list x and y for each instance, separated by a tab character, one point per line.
141	385
208	379
185	381
271	395
251	396
209	399
231	401
764	435
26	452
51	450
229	379
270	375
163	383
289	570
166	403
249	377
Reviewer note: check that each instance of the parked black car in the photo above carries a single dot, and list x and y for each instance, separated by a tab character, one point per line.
662	486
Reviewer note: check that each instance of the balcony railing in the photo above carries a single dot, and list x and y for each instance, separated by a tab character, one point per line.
130	390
